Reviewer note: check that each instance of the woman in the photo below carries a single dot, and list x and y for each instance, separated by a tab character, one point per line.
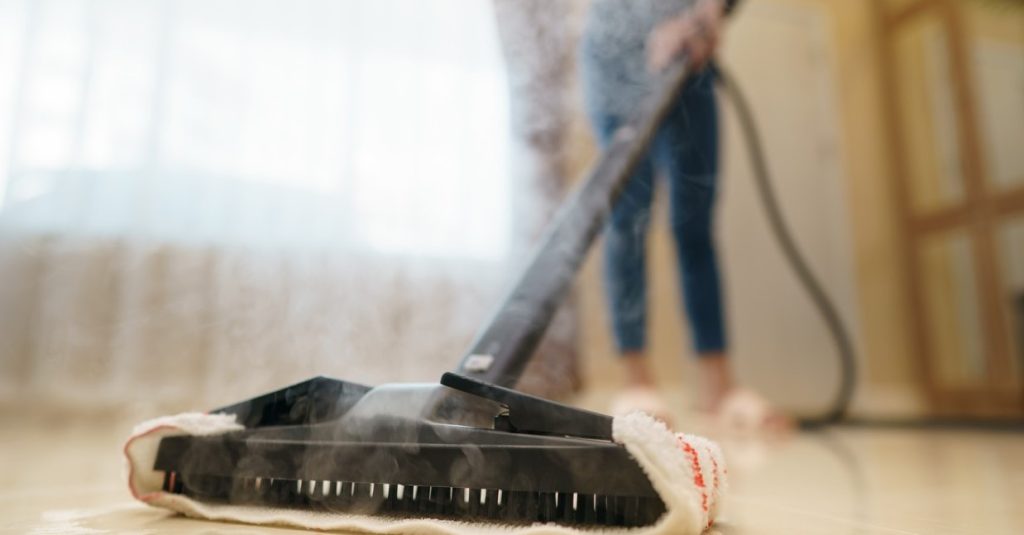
626	43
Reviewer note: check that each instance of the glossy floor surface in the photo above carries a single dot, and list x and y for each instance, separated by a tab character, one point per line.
64	476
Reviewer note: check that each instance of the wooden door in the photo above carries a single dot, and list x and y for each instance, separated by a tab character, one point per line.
955	90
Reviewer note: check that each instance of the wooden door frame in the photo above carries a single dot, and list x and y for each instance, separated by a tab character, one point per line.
979	213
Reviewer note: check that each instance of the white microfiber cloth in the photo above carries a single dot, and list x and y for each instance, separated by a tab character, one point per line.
687	471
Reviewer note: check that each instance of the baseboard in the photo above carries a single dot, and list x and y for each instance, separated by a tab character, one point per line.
889	400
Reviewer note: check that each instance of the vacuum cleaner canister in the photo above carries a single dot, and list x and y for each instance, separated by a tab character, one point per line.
330	454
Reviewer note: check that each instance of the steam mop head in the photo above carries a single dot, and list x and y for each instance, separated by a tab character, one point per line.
336	455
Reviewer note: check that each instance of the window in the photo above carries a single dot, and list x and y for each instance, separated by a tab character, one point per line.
376	125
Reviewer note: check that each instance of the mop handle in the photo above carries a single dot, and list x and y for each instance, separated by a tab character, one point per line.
507	341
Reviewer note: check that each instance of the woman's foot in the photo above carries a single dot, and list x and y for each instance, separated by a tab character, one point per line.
746	412
637	370
643	399
641	393
714	381
733	409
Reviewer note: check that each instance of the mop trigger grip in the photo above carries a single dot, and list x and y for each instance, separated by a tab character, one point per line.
524	413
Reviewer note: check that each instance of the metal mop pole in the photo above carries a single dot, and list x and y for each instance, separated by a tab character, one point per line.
508	339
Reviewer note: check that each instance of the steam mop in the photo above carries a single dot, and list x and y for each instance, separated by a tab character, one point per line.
470	449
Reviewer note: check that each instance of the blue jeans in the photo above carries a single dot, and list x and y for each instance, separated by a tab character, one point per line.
685	150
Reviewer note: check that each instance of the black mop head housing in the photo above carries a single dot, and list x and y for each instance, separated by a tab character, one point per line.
340	447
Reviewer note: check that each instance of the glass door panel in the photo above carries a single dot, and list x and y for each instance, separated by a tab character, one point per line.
952	315
1012	247
995	35
925	101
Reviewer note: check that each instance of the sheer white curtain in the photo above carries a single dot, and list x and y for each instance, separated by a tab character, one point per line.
201	198
368	124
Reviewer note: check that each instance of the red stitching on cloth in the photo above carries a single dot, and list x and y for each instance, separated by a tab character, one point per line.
131	463
714	464
715	482
698	477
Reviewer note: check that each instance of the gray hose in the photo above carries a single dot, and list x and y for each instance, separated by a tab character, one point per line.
780	229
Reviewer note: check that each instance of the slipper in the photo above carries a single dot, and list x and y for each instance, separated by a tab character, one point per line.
745	412
643	399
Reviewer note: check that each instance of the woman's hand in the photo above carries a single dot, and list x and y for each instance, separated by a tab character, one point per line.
694	33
